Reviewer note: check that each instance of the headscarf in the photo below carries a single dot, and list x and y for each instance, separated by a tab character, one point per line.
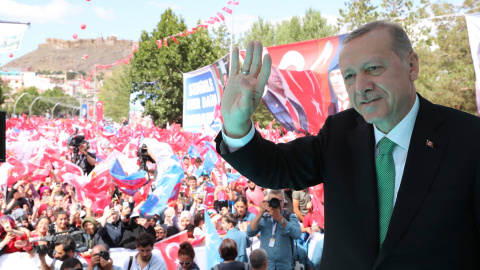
184	214
42	189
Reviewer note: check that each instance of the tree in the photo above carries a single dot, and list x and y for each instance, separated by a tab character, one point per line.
116	93
260	30
358	13
157	73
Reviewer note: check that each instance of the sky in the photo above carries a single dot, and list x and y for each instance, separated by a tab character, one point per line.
126	19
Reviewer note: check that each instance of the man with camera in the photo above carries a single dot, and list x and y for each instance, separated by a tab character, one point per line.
101	260
86	160
64	249
277	231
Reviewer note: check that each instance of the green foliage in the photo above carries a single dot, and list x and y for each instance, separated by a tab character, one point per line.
260	30
164	100
357	13
116	93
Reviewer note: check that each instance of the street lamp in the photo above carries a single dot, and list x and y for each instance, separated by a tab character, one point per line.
15	106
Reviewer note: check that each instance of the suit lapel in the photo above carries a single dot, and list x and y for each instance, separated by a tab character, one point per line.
362	144
422	162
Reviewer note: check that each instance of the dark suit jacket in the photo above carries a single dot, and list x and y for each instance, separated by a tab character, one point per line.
435	220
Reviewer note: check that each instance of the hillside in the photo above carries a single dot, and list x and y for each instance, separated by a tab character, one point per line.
64	55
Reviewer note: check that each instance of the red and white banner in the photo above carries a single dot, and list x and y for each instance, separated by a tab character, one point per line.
99	108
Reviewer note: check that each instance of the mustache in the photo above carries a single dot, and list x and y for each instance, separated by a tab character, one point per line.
367	97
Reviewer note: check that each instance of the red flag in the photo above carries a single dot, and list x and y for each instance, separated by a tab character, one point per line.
202	26
169	248
18	171
165	41
142	193
159	43
174	39
210	21
227	10
209	196
70	173
100	181
318	213
233	3
99	111
215	18
220	15
99	201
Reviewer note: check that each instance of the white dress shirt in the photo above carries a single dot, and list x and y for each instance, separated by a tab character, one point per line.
400	134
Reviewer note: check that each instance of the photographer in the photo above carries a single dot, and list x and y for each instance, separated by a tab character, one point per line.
101	259
64	249
86	160
277	231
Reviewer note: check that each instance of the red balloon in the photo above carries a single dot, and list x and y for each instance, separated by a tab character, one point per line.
85	56
11	55
83	26
75	36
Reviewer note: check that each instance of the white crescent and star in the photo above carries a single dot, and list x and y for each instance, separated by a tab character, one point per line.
169	246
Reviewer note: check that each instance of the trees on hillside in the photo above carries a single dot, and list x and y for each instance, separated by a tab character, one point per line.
157	73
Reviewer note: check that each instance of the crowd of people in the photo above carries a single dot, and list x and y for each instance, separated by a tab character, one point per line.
34	210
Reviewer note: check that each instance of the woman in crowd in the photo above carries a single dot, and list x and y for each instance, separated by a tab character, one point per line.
229	222
41	230
12	240
159	233
185	219
89	226
228	252
186	255
198	222
110	231
170	217
61	220
243	215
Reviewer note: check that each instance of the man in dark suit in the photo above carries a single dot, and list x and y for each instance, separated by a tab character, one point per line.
415	205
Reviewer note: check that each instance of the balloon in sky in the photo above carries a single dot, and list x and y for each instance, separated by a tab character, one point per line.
75	36
83	26
11	55
85	56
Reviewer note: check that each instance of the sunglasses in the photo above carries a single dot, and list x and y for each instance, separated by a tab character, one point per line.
184	263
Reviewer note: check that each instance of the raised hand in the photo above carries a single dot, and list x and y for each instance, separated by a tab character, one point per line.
6	225
244	89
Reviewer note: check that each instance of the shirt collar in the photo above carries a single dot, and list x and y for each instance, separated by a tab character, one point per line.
402	132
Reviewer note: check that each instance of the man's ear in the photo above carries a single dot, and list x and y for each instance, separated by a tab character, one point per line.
413	66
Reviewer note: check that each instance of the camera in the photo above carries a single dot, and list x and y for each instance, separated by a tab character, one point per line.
80	239
75	140
143	157
274	203
104	254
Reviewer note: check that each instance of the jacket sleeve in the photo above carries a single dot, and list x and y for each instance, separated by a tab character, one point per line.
292	228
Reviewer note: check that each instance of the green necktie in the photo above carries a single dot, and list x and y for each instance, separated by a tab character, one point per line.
385	168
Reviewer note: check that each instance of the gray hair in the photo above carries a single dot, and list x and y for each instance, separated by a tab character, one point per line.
400	43
258	257
277	192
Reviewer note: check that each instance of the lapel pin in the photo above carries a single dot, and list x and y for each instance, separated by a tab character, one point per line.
429	143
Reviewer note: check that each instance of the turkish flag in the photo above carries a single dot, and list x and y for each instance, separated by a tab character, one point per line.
142	193
99	201
90	111
169	248
70	173
316	193
100	181
99	111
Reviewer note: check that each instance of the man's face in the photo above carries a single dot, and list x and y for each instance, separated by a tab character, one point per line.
337	82
151	222
275	82
145	253
60	254
379	86
251	185
192	183
186	161
89	228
